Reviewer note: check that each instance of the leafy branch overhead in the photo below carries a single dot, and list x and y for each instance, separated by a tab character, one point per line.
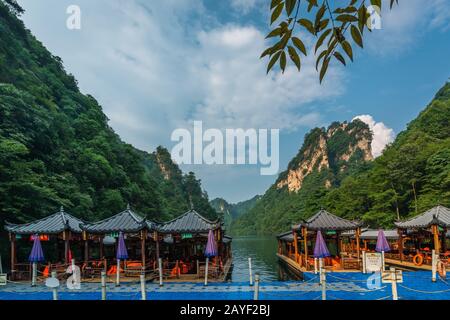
335	30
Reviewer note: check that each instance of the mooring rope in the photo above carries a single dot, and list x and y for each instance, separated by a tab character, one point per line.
421	291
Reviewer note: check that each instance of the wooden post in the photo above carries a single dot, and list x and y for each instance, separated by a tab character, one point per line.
323	283
358	232
296	246
86	247
156	237
103	275
338	243
444	241
435	229
66	246
12	238
143	237
143	290
305	243
400	244
101	247
364	261
256	292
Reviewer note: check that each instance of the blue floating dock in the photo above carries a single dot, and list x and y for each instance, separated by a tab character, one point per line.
340	286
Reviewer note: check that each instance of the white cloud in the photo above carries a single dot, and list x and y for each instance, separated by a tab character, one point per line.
243	6
382	135
406	23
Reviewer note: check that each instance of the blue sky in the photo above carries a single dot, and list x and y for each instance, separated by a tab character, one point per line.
158	65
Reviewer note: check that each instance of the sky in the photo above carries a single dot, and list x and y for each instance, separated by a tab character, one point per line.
156	66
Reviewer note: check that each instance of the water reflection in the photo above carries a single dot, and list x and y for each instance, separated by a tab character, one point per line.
262	250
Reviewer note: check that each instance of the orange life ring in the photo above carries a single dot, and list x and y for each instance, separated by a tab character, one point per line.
418	259
441	269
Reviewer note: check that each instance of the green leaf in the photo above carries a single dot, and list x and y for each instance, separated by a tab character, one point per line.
346	18
290	5
275	32
322	39
308	25
324	69
274	3
356	36
266	52
276	12
294	56
321	55
273	60
348	49
283	61
339	57
300	45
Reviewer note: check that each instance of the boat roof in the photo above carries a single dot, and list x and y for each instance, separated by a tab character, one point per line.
324	220
126	221
189	222
438	215
52	224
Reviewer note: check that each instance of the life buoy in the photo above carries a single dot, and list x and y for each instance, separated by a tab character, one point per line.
418	259
441	269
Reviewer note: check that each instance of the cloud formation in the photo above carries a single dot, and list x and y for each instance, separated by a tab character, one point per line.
382	135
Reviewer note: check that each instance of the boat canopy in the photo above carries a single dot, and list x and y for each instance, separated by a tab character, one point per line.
53	224
324	220
439	215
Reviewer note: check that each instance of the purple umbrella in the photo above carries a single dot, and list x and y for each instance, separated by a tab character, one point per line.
382	244
121	248
320	248
211	247
36	255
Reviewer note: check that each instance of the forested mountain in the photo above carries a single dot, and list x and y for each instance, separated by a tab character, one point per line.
336	172
56	147
232	211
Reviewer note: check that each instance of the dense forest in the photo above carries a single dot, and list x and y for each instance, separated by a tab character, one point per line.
411	176
57	149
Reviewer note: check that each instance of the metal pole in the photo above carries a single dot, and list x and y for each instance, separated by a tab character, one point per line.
323	282
433	265
118	273
160	270
364	268
143	292
250	272
256	291
394	284
55	290
103	285
33	277
206	271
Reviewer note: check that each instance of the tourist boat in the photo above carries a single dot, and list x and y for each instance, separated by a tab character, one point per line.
295	246
411	244
179	244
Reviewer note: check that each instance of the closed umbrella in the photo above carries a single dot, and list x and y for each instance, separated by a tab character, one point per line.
320	249
36	255
120	254
382	245
210	251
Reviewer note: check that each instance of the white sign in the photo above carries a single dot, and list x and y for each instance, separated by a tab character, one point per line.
374	261
3	279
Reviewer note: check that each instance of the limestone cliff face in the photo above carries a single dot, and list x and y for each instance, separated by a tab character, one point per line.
330	149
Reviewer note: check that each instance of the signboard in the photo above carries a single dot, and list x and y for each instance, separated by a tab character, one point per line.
3	279
374	261
186	236
113	235
386	276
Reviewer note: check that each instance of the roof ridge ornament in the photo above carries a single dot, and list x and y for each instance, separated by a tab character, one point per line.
128	207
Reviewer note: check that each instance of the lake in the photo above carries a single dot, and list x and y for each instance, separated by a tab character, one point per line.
263	251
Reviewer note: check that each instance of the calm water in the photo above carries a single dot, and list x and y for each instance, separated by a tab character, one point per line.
262	250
